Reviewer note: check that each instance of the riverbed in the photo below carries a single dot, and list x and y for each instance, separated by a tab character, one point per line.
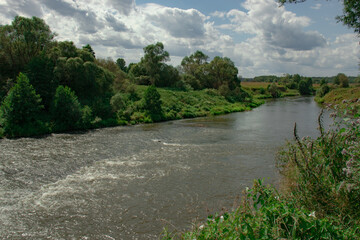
131	182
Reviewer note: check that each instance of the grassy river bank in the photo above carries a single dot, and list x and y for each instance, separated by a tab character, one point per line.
320	191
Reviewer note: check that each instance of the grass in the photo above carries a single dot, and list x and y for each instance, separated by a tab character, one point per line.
189	104
320	199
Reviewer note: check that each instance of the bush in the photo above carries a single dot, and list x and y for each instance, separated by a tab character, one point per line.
274	90
20	110
323	90
324	173
265	214
66	109
152	103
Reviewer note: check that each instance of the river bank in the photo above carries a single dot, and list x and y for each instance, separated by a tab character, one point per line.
129	182
175	104
319	197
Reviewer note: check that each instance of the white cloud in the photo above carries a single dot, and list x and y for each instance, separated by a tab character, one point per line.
275	25
316	6
177	22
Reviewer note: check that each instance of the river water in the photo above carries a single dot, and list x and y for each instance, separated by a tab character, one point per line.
130	182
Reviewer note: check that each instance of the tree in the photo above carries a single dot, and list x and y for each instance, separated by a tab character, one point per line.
121	64
40	71
274	90
24	39
351	13
88	48
152	103
342	80
153	60
191	63
221	71
66	109
20	110
305	87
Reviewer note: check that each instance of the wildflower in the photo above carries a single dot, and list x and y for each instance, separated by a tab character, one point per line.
221	218
349	163
312	214
247	189
344	152
201	227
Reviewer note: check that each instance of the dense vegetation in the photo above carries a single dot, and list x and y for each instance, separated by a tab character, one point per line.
52	86
320	191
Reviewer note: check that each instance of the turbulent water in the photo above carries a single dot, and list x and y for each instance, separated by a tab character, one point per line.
130	182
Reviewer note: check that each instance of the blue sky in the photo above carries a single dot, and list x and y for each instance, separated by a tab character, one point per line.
258	35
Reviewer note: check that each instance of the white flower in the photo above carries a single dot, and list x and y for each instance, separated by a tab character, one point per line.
247	189
201	227
312	214
221	218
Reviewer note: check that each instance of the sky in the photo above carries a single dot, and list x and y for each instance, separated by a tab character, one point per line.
259	36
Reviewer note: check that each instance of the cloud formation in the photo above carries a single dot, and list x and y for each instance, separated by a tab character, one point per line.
275	25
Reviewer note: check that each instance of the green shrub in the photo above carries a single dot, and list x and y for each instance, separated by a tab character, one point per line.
21	109
66	109
323	174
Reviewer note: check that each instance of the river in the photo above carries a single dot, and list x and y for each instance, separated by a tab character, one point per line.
130	182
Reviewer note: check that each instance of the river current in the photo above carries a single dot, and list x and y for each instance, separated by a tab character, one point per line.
130	182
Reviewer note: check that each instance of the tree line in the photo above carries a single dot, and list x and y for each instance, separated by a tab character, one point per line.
53	86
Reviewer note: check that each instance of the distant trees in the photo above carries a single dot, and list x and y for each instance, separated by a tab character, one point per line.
305	87
342	80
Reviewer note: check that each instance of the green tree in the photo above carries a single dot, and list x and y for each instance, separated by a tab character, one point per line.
66	109
274	90
190	64
121	64
24	39
221	71
40	71
153	60
20	110
342	80
89	49
305	87
152	103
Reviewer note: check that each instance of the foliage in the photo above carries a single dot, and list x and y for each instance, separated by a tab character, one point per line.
66	109
323	174
342	80
24	39
120	62
322	177
351	13
305	87
323	90
274	90
152	103
40	71
154	57
264	214
190	63
20	110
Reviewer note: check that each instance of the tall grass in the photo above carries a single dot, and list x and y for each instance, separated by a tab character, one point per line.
320	198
